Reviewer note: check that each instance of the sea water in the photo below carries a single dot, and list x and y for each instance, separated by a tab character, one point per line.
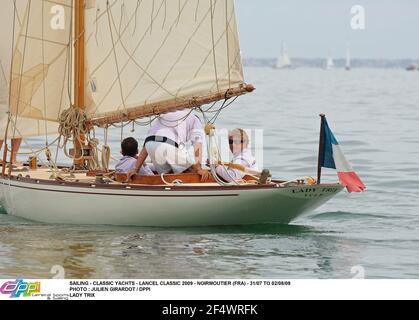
374	115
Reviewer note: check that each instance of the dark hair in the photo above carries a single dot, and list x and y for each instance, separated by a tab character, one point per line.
129	147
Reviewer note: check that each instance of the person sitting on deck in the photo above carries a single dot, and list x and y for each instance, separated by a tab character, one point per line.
129	150
238	141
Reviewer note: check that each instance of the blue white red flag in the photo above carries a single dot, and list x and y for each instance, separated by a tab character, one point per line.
331	156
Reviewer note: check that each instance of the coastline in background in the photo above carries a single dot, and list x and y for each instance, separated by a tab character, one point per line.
339	63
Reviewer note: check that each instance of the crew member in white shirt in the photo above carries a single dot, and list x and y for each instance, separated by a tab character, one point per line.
174	144
239	143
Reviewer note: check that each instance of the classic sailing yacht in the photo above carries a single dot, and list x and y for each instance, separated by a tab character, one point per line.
76	66
284	61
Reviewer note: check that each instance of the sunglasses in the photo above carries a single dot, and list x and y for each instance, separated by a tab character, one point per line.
233	141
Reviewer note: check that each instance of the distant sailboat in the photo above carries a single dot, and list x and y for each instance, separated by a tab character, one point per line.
413	67
348	60
329	62
284	61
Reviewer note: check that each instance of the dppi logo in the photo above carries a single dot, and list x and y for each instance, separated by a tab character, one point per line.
19	287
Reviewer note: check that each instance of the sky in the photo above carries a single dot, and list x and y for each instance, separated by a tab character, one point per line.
311	28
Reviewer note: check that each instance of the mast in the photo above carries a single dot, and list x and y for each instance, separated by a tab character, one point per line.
321	148
348	59
79	69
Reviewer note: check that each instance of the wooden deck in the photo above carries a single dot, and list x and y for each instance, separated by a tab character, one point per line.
185	179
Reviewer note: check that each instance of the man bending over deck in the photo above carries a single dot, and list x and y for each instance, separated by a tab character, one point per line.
174	144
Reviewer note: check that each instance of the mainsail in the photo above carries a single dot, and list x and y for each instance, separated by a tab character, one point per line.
35	52
139	55
142	53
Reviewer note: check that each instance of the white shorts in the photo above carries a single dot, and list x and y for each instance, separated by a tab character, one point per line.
167	158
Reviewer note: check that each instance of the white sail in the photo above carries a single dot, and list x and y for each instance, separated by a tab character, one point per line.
284	60
149	51
8	19
37	71
6	49
40	62
329	62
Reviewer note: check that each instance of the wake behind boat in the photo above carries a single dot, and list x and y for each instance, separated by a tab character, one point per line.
119	64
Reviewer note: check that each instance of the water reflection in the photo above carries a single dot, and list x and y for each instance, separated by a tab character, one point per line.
253	251
74	263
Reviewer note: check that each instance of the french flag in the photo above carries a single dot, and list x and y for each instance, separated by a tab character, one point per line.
331	156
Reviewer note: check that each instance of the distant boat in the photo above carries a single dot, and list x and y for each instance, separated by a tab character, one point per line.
329	62
348	60
413	67
284	61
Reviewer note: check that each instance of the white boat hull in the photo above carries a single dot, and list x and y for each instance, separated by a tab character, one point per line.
51	202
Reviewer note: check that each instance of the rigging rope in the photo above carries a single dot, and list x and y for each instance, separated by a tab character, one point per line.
209	134
116	57
21	67
228	47
106	155
214	45
72	122
94	160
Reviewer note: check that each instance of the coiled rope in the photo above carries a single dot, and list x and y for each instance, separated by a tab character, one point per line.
72	123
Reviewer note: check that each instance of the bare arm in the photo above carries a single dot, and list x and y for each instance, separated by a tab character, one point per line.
197	167
140	160
198	158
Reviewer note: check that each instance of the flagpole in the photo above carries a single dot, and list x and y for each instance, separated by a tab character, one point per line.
321	148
